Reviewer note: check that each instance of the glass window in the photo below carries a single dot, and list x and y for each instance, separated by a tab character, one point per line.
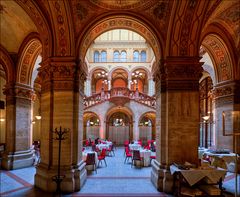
143	56
103	56
96	56
123	56
116	56
135	56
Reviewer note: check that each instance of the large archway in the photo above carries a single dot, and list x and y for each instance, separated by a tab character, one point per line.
119	125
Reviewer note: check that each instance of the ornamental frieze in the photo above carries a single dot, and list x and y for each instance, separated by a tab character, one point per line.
19	92
223	91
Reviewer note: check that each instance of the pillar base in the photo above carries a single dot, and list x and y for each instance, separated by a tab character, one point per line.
161	178
19	159
75	177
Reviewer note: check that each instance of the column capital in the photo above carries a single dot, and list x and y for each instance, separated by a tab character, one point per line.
227	93
62	73
19	90
178	73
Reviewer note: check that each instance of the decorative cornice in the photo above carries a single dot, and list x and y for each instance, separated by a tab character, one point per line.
61	74
178	73
19	91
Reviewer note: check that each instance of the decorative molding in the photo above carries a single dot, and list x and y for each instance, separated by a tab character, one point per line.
7	64
221	56
41	24
119	22
19	91
27	61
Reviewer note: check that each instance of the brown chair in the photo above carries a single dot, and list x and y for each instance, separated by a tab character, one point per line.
136	157
91	161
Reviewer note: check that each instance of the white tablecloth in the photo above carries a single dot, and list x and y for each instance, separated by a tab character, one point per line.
192	176
134	146
102	146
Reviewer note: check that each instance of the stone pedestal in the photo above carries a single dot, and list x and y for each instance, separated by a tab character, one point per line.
75	177
18	122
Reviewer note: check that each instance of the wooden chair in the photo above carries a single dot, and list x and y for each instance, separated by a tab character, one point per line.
136	157
91	161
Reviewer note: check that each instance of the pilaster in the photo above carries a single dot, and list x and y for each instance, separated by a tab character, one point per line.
18	125
61	105
226	98
177	116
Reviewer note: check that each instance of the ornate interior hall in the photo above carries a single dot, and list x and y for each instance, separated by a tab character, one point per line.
149	87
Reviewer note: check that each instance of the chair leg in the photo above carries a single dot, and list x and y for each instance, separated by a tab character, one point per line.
125	159
105	162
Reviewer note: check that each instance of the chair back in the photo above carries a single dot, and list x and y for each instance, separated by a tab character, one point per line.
94	147
103	153
136	155
90	159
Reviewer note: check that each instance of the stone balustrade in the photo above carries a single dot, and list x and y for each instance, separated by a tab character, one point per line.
119	93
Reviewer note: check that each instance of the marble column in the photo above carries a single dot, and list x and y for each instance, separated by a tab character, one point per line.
150	87
177	117
18	125
88	87
61	105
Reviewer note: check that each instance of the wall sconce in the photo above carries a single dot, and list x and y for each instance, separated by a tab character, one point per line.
2	119
38	117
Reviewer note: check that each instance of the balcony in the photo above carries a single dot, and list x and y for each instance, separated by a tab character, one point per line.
120	96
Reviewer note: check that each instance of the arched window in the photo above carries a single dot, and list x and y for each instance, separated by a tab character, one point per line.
135	56
116	56
96	56
103	56
123	56
143	56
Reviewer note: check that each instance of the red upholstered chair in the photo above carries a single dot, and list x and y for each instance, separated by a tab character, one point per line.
102	157
147	147
140	142
128	154
111	150
91	161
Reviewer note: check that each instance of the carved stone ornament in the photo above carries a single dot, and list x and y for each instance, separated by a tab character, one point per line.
19	91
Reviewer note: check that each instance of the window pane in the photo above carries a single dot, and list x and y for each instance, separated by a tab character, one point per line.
135	56
143	56
104	56
116	56
96	56
123	56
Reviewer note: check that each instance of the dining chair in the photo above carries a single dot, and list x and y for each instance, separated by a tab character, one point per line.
128	154
102	157
91	161
136	157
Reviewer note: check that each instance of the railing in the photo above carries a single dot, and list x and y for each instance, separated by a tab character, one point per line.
120	92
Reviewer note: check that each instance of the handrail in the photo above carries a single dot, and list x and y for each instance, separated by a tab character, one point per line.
119	92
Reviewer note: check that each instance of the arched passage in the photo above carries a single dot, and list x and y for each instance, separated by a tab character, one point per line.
119	125
91	125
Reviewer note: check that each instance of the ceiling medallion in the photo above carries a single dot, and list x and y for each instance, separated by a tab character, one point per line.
119	4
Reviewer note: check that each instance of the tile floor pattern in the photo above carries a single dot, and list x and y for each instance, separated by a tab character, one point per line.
117	179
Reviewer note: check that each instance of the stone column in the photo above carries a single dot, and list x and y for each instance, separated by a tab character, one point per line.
177	117
18	125
150	87
88	87
227	98
102	131
61	105
109	82
135	127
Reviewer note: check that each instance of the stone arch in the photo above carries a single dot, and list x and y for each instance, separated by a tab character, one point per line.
94	69
41	22
142	115
117	68
124	110
220	56
92	114
141	67
7	63
29	51
119	22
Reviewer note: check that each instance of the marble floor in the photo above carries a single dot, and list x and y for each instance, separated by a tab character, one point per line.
117	179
